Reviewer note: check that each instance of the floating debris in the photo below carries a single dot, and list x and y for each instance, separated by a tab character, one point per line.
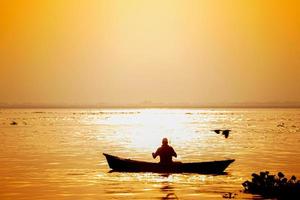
272	186
281	124
229	195
170	196
38	112
13	123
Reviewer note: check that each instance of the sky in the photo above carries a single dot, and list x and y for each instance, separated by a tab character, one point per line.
140	52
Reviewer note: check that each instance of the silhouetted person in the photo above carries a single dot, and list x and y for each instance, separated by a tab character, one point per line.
165	152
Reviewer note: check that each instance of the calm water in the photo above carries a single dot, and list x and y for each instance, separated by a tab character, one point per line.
57	154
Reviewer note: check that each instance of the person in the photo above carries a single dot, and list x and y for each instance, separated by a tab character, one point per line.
165	152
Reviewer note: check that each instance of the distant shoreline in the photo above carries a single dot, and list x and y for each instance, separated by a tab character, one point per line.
149	107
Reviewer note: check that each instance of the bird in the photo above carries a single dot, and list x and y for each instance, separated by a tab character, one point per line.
217	131
224	132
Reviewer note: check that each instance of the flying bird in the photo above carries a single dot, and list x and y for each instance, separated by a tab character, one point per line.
224	132
217	131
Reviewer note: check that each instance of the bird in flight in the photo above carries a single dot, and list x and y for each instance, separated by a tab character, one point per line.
224	132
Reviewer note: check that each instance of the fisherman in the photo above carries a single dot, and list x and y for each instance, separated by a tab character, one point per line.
165	152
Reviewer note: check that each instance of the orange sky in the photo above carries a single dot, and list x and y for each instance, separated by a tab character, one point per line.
199	52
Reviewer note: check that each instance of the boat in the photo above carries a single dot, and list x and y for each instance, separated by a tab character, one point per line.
118	164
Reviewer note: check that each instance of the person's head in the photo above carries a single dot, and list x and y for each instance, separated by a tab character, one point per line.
165	141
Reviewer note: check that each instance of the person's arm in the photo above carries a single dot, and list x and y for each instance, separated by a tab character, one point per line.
174	153
154	155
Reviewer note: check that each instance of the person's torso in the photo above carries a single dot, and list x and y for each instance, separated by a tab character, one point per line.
166	153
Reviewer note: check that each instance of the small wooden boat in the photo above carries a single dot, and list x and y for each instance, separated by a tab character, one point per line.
128	165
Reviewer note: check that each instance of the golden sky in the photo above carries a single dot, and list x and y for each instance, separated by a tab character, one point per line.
199	52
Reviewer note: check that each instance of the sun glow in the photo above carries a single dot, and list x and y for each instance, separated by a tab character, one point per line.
169	53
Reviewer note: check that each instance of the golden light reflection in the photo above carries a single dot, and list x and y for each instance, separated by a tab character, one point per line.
151	127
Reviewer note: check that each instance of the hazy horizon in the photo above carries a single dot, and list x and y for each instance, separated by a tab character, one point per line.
157	105
139	52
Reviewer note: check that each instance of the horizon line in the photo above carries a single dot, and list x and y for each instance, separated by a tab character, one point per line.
153	107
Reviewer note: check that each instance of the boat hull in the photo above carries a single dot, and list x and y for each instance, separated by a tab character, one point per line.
128	165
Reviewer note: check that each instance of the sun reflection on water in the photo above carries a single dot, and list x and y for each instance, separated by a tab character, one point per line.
151	126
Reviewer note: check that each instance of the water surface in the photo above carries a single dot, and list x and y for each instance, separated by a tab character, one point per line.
57	153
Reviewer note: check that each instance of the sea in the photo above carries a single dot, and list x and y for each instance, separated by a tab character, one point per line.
58	153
